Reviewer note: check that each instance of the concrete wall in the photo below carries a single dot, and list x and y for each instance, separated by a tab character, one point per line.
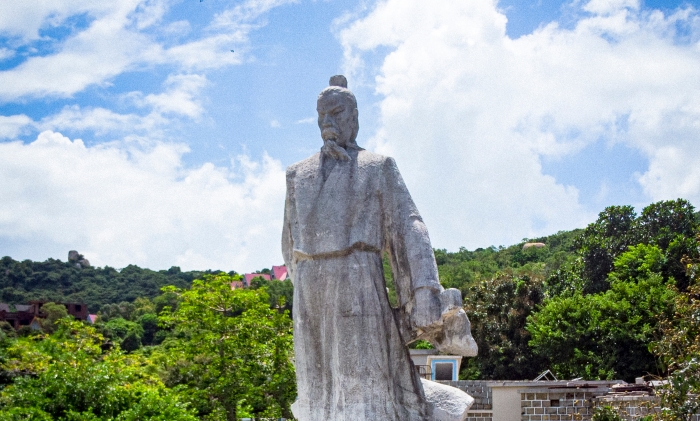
506	403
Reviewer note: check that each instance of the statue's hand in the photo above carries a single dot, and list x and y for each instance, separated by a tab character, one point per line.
438	317
456	337
332	149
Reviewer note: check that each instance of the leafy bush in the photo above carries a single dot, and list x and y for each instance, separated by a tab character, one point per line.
606	413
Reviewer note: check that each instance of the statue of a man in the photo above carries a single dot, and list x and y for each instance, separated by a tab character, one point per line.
345	207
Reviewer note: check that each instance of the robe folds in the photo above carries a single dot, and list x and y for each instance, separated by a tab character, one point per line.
351	360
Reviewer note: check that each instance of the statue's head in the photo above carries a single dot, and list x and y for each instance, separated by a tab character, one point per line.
337	114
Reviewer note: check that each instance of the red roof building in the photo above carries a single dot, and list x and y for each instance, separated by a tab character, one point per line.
279	273
250	276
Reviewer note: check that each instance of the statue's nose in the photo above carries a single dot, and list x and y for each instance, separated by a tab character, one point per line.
327	121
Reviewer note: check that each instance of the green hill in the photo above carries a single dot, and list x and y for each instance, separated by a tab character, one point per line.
54	280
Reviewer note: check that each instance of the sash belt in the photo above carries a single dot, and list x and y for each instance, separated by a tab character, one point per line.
359	246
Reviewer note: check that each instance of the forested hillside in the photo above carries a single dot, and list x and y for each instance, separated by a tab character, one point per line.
54	280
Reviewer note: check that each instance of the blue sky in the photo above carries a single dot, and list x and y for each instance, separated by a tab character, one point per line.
132	133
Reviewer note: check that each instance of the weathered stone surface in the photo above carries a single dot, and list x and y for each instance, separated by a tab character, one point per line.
78	259
344	208
449	403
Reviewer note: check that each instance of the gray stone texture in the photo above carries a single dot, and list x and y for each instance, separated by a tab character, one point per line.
344	208
78	259
449	403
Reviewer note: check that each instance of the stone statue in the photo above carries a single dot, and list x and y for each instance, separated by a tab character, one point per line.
345	207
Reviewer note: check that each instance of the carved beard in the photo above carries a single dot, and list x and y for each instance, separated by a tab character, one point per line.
332	150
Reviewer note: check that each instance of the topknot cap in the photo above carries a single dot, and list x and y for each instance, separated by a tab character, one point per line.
338	80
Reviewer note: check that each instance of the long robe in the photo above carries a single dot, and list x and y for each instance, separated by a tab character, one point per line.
351	360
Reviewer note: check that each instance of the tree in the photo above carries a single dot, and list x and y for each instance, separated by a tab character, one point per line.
149	324
669	225
54	312
662	222
230	350
498	311
280	293
601	242
679	349
126	332
606	335
69	377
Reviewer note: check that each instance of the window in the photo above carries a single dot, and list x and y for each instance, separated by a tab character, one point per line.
443	371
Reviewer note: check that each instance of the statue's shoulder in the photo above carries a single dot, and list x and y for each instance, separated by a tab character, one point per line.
371	161
367	158
305	167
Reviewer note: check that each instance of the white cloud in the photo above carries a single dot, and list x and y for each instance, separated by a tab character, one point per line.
180	97
275	124
100	121
121	203
23	21
606	7
309	120
469	112
11	126
103	50
116	41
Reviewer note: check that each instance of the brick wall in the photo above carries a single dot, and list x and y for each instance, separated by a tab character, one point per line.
558	404
483	399
632	408
478	416
479	390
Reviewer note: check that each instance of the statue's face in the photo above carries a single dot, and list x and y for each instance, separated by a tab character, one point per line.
337	118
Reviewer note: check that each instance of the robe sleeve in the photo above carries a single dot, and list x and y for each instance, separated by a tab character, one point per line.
412	259
427	311
287	241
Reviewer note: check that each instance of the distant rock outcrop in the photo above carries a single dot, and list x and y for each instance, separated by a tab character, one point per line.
535	245
78	259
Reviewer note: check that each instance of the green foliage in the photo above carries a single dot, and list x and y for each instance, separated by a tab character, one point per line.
602	241
668	225
229	350
389	280
68	377
466	268
280	293
606	335
421	344
498	309
680	398
149	326
679	350
53	312
126	332
662	222
54	280
606	413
